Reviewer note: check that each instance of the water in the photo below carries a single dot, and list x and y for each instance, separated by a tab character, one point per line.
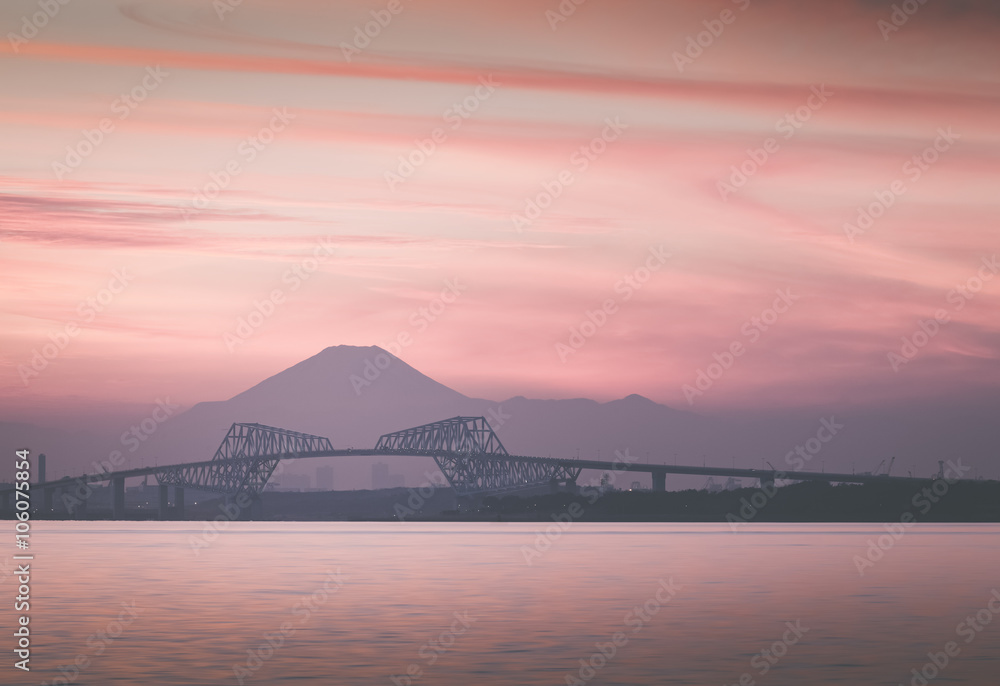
362	602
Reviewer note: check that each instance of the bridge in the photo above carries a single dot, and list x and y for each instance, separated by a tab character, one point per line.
466	450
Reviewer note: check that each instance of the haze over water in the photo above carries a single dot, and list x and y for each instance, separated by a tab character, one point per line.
393	589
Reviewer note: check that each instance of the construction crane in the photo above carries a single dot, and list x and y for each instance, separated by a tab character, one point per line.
888	470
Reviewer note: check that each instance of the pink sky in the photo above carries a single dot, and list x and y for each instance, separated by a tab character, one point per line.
194	268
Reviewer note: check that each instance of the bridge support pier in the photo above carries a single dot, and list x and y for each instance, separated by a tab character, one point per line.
47	495
118	497
179	502
163	501
660	481
6	501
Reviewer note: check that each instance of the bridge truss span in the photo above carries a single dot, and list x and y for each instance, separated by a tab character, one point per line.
245	459
473	459
470	435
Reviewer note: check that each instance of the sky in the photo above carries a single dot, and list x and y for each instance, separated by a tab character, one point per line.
718	205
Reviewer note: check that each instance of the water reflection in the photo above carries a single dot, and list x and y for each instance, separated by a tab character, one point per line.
442	604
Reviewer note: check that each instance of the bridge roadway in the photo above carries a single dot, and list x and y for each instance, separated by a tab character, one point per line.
658	471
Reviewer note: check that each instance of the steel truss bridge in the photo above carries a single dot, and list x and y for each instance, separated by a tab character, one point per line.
465	449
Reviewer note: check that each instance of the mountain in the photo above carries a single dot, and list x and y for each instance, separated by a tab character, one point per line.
349	394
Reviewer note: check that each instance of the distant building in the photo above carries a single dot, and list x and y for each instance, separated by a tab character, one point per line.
382	478
380	475
324	478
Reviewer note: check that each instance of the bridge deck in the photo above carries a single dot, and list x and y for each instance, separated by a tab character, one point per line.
600	465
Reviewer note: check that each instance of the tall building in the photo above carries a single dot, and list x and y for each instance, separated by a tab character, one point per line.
324	478
380	475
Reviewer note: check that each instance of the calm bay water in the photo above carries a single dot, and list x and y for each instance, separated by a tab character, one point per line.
457	604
